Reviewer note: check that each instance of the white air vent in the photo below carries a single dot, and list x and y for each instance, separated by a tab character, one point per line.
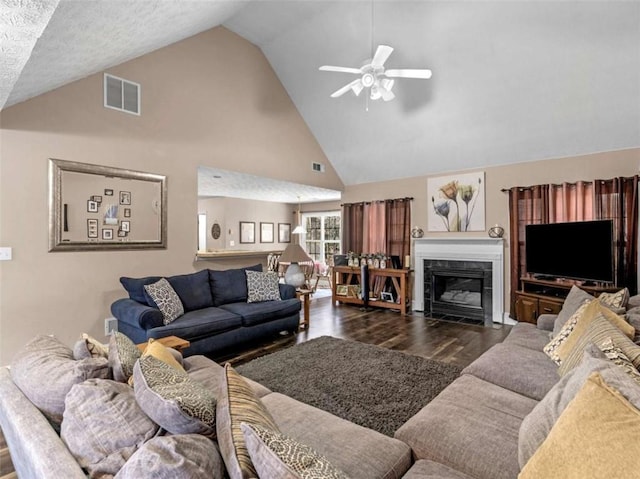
319	167
121	94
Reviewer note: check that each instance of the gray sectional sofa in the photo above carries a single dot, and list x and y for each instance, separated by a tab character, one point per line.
217	315
471	430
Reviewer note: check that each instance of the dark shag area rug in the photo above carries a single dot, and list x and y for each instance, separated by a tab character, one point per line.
365	384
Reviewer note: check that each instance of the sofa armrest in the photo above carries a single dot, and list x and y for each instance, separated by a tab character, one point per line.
136	314
546	321
287	291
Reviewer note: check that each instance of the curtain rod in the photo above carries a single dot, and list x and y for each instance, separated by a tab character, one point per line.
408	198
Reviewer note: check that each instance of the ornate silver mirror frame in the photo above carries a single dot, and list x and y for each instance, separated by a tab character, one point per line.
94	207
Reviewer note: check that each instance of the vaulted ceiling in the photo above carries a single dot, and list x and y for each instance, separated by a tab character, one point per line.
513	81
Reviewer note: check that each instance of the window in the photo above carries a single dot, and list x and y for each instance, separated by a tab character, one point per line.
322	239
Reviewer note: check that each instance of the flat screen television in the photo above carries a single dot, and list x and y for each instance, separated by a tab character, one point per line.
579	250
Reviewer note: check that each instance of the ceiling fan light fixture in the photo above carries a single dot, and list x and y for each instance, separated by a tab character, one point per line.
357	88
387	84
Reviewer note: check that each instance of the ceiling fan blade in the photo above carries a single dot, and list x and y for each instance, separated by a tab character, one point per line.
408	73
358	87
330	68
382	53
345	89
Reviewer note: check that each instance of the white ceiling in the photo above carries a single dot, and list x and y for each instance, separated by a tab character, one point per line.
513	81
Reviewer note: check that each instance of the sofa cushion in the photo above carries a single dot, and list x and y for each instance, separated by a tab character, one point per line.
123	354
275	455
262	286
598	435
573	301
135	287
182	456
237	404
230	286
425	469
258	313
472	426
45	371
162	296
521	370
199	323
359	452
103	425
172	399
193	289
527	335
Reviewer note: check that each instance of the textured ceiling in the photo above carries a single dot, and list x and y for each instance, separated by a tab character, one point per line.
513	81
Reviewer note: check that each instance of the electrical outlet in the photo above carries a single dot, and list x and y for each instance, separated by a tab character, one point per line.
5	254
110	326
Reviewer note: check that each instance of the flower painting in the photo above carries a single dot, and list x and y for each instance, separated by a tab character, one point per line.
456	203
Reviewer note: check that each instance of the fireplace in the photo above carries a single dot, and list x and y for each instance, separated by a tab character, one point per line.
458	290
466	266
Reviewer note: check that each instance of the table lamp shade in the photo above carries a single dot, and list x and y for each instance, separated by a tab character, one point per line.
294	254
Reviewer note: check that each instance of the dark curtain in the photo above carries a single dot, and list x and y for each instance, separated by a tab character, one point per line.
617	199
398	227
352	227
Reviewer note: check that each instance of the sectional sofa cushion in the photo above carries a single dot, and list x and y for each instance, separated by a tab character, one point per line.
200	323
598	435
182	456
276	455
193	289
103	425
471	426
359	452
573	301
528	336
45	371
161	295
173	399
258	313
135	287
230	286
425	469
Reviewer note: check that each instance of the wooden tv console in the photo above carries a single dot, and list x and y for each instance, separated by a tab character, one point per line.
542	296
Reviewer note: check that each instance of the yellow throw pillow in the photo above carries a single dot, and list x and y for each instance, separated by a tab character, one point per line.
160	351
597	435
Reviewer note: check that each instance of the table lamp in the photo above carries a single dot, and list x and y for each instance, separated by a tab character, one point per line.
294	254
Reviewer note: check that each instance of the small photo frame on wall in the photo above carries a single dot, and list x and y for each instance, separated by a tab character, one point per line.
107	234
92	228
97	199
125	197
125	226
122	234
127	212
284	232
266	232
92	206
247	232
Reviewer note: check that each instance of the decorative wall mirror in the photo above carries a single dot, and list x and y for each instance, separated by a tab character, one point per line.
94	207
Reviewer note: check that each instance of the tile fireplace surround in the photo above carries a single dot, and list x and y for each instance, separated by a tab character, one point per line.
461	249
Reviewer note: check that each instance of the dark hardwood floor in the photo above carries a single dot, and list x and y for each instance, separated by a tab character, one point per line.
415	334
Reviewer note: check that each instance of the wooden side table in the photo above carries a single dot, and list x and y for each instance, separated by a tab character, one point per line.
174	342
305	296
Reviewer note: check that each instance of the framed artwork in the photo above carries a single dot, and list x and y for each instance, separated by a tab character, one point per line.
341	289
108	192
127	212
125	197
92	228
125	226
266	232
456	202
96	198
107	233
284	232
92	206
386	296
122	234
247	232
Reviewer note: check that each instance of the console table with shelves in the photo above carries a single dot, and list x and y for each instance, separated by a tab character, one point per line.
345	276
546	296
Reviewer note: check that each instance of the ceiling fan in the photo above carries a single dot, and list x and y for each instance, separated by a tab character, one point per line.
374	76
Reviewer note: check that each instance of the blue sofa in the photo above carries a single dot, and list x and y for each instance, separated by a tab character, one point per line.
217	316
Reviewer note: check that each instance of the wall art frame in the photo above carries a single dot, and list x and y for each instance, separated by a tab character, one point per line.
456	203
247	232
284	232
266	232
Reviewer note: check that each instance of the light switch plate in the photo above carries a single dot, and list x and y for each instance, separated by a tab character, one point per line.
5	254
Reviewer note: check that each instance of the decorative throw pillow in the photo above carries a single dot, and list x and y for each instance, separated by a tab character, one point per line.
617	356
181	456
45	371
238	403
597	435
90	347
617	300
165	299
276	455
572	302
160	351
123	354
103	425
552	347
172	399
262	286
598	331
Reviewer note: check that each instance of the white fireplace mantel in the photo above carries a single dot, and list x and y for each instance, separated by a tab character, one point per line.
461	249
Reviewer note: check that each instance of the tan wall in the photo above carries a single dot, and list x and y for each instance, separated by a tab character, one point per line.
586	167
210	100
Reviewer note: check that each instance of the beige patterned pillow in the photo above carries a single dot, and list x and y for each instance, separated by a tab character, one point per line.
617	300
551	348
90	347
123	354
166	299
262	286
617	356
276	455
237	404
